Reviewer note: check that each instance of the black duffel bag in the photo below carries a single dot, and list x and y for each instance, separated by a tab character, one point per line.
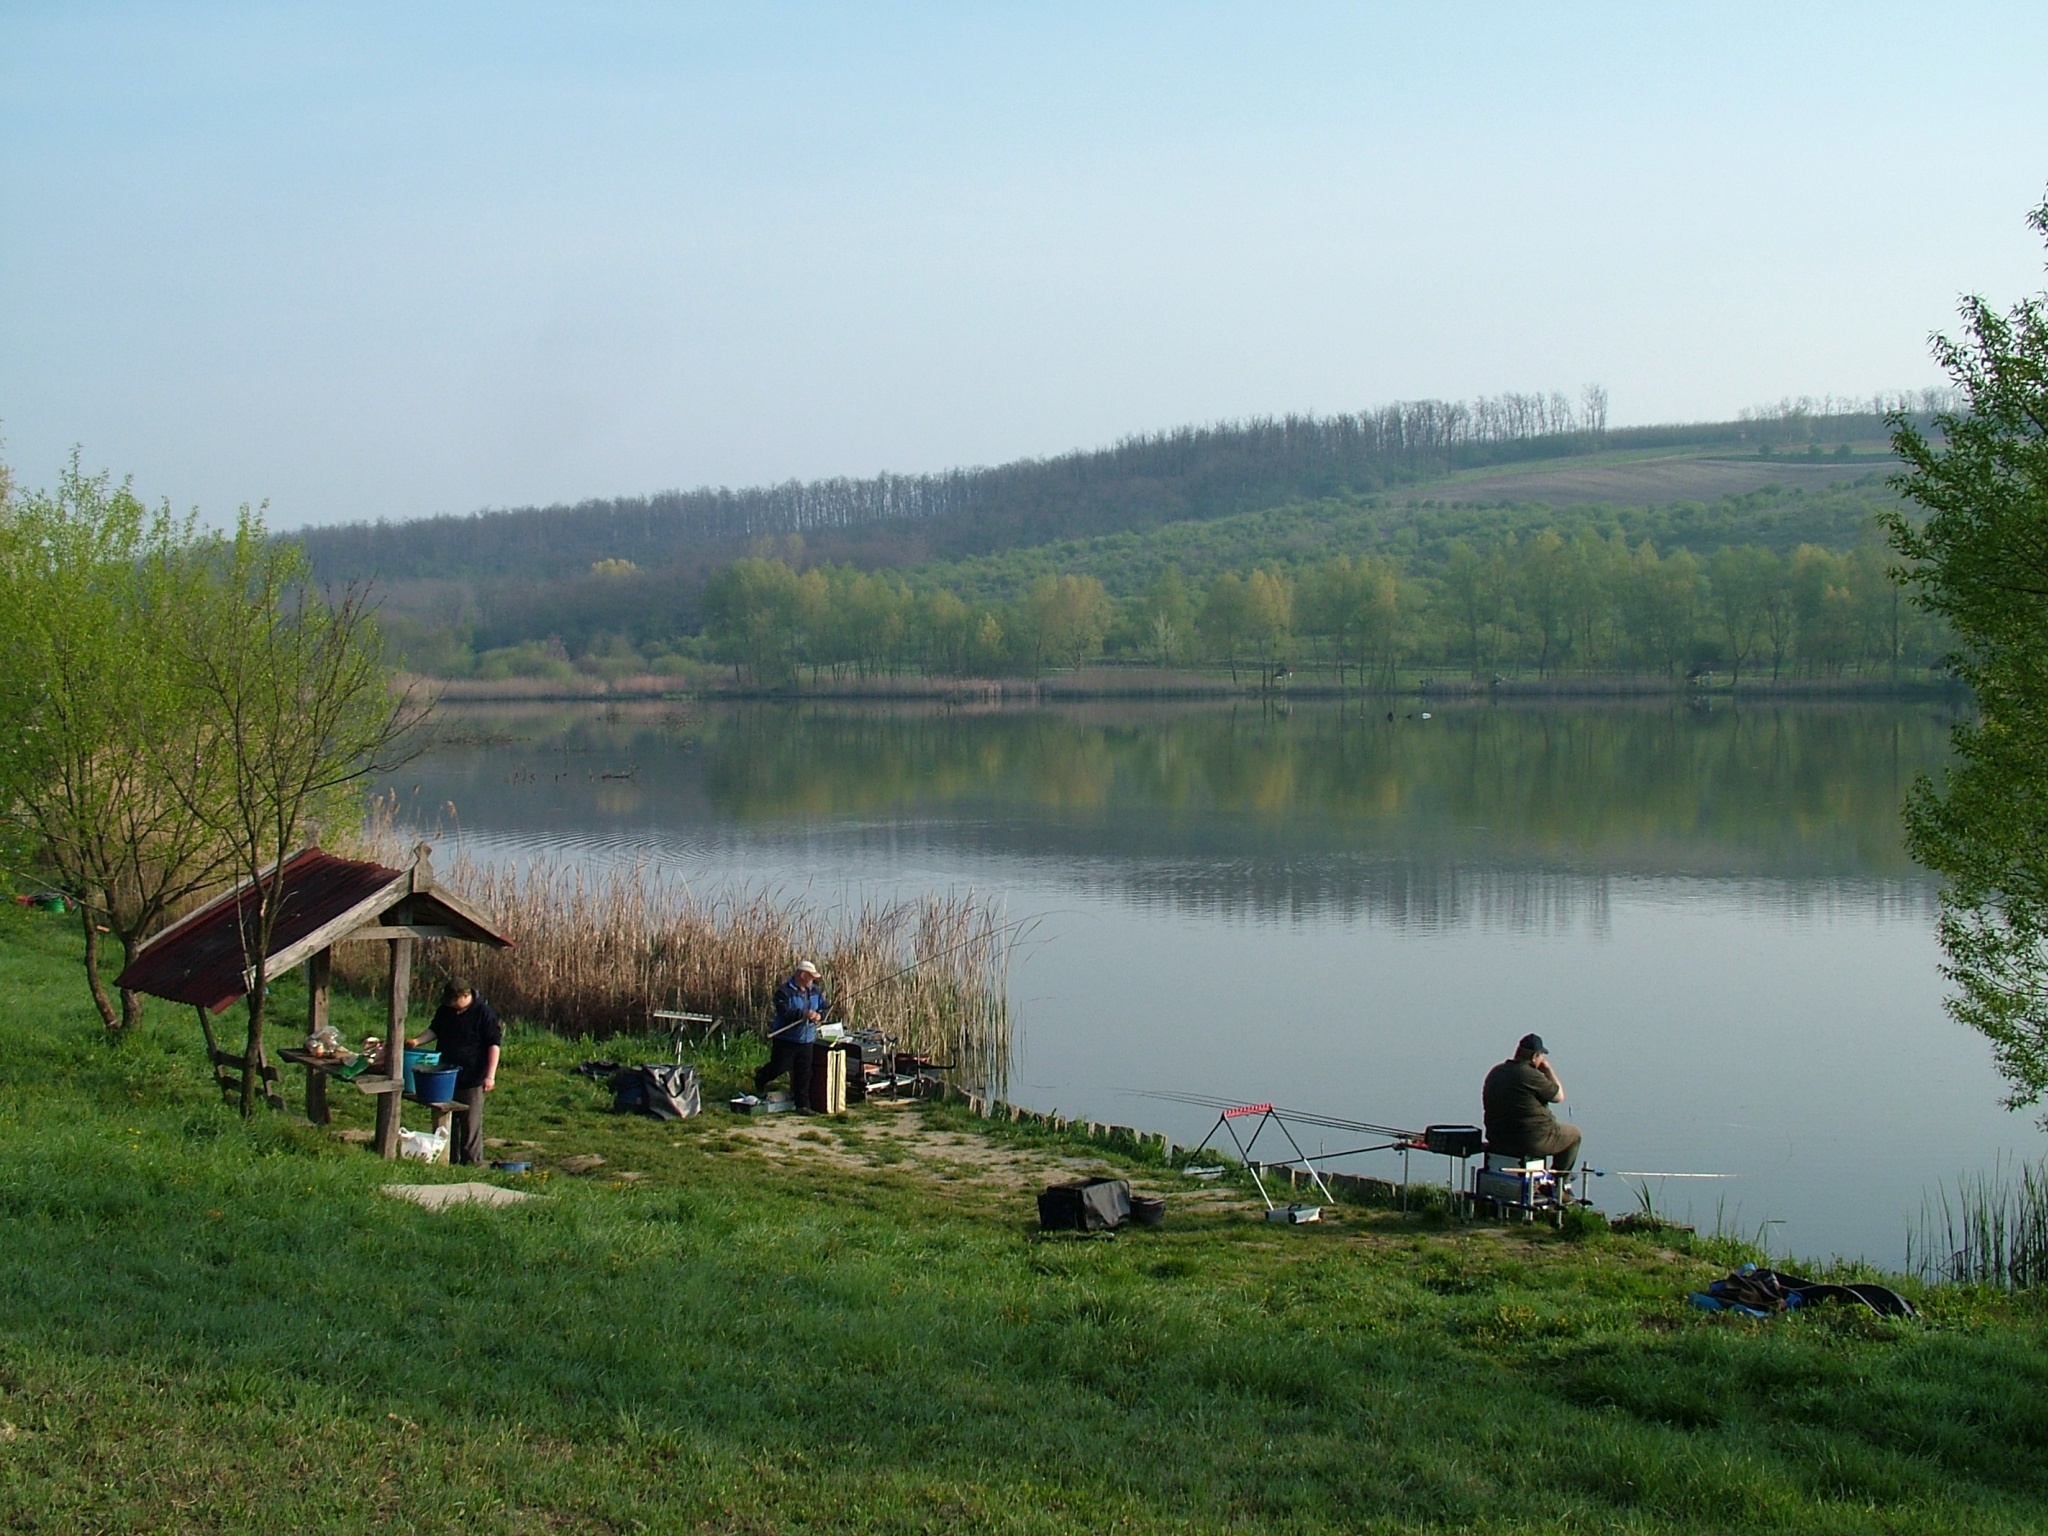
1086	1205
658	1089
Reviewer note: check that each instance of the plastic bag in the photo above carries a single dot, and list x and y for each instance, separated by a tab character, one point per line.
426	1146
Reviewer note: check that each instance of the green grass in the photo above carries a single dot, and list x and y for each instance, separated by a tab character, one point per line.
207	1326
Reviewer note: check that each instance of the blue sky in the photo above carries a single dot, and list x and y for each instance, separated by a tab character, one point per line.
370	261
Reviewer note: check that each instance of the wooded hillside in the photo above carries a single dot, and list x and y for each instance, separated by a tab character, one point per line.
661	583
1192	473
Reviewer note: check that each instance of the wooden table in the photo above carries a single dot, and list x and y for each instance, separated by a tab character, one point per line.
320	1068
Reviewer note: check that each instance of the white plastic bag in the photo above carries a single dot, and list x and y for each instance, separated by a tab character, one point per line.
427	1146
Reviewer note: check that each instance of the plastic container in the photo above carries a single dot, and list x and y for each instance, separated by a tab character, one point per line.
415	1059
436	1084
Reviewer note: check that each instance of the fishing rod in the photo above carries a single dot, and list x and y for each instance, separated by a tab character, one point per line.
979	938
839	1003
1638	1173
1299	1116
1331	1122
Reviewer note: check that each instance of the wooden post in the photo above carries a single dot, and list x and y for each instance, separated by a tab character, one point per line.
389	1105
319	970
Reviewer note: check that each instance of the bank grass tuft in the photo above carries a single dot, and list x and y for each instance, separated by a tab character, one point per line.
1988	1229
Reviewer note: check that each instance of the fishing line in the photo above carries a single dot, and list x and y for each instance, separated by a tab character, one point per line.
1637	1173
979	938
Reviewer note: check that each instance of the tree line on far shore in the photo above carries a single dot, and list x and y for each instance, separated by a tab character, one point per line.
1477	588
1550	604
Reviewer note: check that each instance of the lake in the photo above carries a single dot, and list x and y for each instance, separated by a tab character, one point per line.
1705	911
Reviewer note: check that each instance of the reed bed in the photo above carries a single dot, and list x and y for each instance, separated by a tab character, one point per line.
1992	1229
598	952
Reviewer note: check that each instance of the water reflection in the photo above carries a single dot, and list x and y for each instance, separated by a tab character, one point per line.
1510	816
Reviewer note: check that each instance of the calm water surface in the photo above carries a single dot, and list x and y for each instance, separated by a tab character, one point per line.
1706	912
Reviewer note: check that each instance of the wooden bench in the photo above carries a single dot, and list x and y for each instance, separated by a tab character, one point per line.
228	1069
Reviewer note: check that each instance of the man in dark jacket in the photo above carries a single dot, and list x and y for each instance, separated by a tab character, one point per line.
466	1033
793	1036
1518	1095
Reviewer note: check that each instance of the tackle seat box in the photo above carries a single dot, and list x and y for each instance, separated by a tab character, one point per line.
1509	1178
1085	1205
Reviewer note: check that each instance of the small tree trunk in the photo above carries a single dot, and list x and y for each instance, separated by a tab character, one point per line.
130	937
93	979
252	1054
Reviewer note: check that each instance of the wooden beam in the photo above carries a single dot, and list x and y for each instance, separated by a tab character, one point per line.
394	1045
319	971
399	931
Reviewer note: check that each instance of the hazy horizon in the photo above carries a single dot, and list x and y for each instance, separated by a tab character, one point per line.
367	262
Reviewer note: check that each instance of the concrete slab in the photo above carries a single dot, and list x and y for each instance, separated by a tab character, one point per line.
438	1197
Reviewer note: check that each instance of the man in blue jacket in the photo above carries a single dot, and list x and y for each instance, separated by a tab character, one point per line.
792	1038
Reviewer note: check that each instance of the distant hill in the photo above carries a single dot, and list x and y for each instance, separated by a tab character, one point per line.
1484	450
1781	513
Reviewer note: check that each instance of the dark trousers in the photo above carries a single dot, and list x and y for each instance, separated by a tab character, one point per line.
795	1059
467	1145
1561	1146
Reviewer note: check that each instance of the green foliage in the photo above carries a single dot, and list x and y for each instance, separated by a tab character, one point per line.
1062	619
1548	603
100	756
1552	596
1981	563
293	708
1420	535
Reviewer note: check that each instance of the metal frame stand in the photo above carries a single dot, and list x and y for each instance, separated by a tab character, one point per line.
679	1025
1268	1116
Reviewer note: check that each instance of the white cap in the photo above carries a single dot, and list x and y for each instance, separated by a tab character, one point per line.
806	966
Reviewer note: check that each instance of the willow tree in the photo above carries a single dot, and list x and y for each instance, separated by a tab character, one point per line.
1980	561
296	707
97	767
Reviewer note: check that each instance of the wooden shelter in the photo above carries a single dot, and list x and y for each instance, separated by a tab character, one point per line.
206	957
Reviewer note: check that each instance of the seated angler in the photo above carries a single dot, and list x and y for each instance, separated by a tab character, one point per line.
1518	1095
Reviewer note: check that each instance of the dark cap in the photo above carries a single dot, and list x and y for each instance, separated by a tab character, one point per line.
457	986
1531	1047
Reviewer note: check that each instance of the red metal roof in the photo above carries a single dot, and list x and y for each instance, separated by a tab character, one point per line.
205	957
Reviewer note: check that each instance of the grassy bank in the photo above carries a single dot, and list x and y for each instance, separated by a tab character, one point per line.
850	1325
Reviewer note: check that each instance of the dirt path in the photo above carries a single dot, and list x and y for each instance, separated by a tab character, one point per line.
894	1136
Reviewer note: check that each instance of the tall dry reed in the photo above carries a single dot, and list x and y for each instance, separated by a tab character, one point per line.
1991	1230
598	952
